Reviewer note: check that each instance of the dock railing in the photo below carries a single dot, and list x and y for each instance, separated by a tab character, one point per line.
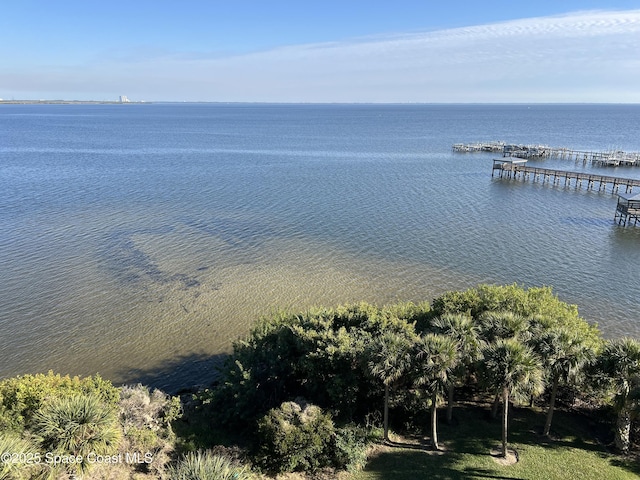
518	169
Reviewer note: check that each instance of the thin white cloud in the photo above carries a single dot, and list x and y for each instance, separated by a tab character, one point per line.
580	57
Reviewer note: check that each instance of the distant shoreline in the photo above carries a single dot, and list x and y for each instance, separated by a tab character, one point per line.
68	102
239	102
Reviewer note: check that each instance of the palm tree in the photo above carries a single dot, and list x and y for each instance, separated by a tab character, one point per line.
464	331
502	325
78	425
563	355
619	367
389	359
436	358
511	368
497	325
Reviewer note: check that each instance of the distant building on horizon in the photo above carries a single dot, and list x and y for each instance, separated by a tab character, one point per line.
124	99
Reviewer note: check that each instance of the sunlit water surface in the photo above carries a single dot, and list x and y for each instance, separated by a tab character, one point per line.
139	241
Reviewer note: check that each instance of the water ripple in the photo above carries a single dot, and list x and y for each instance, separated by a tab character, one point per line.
119	231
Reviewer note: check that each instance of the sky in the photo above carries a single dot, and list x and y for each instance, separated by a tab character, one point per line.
351	51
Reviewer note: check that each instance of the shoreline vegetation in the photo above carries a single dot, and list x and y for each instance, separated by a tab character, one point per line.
493	381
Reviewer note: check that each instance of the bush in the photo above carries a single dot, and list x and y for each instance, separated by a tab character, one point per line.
145	418
77	425
535	302
144	410
319	355
207	466
295	437
351	447
21	397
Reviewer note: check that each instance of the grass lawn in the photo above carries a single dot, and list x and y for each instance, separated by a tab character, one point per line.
573	454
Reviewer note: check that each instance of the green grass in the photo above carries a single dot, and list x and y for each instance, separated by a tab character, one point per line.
573	454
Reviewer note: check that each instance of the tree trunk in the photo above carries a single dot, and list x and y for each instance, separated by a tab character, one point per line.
505	418
434	422
494	408
386	413
450	403
552	404
623	429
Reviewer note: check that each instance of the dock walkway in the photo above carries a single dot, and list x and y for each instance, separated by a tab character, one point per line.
518	169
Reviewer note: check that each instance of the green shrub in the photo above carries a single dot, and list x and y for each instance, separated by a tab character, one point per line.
146	418
207	466
141	409
21	397
295	437
77	426
351	447
538	303
319	355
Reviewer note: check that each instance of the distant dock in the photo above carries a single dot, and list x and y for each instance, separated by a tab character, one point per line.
492	147
613	158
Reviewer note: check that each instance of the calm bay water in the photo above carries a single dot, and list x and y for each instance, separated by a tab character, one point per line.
139	241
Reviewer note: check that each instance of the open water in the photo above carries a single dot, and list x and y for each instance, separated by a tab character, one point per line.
139	241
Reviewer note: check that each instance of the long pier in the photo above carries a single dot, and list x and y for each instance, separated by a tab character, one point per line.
518	169
613	158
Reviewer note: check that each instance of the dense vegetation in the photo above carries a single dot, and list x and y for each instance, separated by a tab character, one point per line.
312	392
365	366
53	426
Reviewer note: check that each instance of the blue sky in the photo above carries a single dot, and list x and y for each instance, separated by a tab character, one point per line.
324	51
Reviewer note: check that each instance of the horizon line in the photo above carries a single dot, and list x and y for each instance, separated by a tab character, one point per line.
242	102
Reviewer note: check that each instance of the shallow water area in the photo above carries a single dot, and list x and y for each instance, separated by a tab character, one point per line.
140	241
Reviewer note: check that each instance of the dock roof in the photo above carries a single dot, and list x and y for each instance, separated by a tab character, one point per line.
633	197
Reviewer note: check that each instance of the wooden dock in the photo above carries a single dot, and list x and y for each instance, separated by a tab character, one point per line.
613	158
492	147
628	209
517	168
